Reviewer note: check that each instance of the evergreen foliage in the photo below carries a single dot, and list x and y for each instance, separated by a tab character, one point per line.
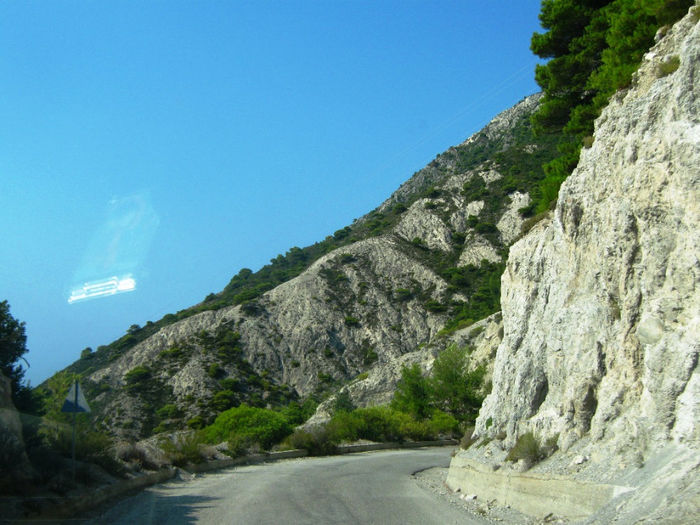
13	346
593	47
412	395
451	387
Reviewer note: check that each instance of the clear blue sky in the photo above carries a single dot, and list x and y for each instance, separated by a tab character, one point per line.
251	127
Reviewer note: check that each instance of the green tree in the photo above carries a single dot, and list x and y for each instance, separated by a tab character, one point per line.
13	346
593	47
343	402
412	394
453	387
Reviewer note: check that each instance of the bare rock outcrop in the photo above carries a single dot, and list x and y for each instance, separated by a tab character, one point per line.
601	304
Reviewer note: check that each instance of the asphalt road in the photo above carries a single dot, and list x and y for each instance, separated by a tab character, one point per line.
374	487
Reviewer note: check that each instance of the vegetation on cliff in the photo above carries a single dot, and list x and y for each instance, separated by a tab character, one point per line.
593	47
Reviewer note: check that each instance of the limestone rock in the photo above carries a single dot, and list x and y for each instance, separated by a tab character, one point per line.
418	222
477	249
601	304
511	221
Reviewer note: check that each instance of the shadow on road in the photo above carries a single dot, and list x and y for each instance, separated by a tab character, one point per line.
159	507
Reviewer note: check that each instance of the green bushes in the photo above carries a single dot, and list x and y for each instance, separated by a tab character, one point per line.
91	446
315	441
184	449
136	377
452	388
412	394
248	426
381	423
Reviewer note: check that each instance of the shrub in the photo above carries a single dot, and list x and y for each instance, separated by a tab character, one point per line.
296	414
379	423
196	423
215	371
343	402
345	426
168	412
230	383
315	441
442	424
136	455
352	321
223	400
90	446
418	242
137	376
454	389
403	294
184	449
458	238
370	356
526	448
248	424
435	306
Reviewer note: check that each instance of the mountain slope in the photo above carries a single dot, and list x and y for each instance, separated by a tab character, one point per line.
427	259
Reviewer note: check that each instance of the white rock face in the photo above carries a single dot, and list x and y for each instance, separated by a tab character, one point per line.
601	305
419	222
511	221
476	248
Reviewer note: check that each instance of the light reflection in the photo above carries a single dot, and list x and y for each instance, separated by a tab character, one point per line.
103	287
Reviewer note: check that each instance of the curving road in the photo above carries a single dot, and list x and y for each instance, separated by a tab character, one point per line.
374	487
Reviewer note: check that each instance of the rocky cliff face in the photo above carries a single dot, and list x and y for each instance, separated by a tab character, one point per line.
14	464
366	307
601	302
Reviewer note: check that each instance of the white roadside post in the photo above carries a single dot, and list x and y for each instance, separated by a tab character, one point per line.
75	403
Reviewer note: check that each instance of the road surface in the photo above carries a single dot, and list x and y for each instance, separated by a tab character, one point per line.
374	487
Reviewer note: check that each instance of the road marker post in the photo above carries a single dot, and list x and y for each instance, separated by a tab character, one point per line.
75	403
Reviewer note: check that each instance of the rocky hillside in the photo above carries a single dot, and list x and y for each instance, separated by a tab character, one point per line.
601	306
426	262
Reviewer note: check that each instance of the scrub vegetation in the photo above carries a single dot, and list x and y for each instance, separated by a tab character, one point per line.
423	407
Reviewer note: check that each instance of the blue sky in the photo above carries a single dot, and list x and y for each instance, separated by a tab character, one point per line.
248	127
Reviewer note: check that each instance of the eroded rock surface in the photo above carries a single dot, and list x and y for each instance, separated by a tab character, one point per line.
601	304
